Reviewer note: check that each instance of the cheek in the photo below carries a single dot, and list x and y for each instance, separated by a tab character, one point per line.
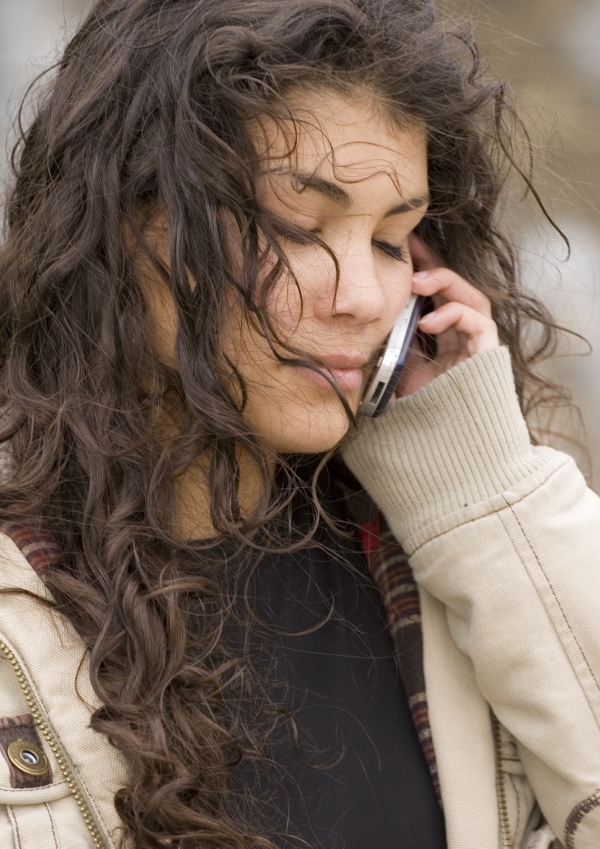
397	285
287	305
295	295
286	414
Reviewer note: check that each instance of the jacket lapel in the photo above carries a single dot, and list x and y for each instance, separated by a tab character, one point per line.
55	663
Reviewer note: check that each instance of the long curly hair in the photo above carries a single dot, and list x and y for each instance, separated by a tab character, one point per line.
149	108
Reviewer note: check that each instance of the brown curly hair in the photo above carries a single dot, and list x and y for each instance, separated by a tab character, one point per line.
149	108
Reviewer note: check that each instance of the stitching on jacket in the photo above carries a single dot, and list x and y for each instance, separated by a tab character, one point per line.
13	822
41	551
13	728
93	803
587	663
499	509
576	816
52	824
18	790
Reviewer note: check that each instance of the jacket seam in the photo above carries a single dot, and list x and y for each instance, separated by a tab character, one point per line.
15	825
564	615
92	802
52	824
577	815
492	512
510	508
19	790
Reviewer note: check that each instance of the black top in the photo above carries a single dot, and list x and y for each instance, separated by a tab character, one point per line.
356	777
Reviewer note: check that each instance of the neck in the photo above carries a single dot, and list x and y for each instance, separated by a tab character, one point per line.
192	496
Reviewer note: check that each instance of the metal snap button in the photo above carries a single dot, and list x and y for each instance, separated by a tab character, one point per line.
28	757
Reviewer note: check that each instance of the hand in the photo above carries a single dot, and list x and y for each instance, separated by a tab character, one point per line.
461	321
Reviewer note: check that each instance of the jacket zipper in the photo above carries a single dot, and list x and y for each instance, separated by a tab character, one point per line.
89	817
56	748
500	791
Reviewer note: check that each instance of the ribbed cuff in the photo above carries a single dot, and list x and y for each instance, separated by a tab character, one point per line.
457	442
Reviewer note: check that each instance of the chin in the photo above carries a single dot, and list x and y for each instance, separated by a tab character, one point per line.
309	431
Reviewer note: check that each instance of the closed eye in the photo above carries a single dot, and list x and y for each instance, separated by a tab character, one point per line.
398	253
296	236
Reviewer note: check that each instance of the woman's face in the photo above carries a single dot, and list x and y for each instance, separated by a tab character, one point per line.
361	184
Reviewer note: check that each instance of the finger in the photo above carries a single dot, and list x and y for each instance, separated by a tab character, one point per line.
453	287
423	257
480	331
418	371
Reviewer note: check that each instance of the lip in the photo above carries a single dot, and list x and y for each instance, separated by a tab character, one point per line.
343	362
347	372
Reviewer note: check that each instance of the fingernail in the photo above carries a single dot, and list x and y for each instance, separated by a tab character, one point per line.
420	274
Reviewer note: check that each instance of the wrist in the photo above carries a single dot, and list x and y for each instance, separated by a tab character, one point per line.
457	442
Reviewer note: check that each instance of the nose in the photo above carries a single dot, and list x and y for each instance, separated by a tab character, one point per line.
359	298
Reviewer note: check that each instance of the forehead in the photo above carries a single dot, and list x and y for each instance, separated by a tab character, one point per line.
347	138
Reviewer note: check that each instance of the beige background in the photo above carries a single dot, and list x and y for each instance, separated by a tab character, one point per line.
550	52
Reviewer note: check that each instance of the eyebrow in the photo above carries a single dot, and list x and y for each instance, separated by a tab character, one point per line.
338	195
324	187
409	206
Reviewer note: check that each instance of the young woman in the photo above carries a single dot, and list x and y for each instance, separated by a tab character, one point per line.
236	612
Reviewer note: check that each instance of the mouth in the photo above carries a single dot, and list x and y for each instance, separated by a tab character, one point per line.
347	372
349	379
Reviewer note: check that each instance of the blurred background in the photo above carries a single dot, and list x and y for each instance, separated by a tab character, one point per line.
549	50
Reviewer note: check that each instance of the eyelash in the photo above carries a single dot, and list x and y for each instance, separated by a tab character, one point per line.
397	253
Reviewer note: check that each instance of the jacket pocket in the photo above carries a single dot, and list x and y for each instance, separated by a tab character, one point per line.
37	808
38	824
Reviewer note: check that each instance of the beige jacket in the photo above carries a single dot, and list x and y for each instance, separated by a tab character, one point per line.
505	545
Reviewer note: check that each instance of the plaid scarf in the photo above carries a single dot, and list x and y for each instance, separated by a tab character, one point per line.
389	567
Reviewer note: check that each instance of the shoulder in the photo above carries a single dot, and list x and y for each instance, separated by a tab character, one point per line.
26	552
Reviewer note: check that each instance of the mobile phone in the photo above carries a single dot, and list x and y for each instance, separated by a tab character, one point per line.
392	360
